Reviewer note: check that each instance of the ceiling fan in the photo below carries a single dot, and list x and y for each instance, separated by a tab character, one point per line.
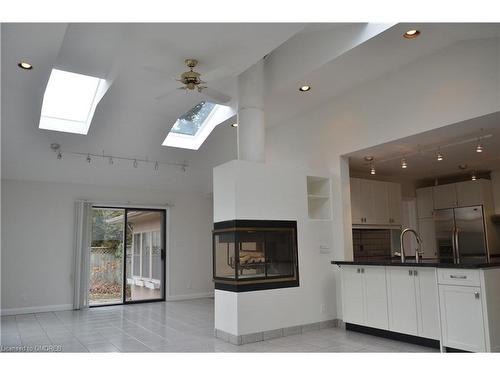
192	81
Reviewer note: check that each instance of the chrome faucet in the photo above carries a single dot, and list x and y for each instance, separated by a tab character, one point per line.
418	252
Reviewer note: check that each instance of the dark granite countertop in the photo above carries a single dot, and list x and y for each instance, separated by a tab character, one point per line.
422	263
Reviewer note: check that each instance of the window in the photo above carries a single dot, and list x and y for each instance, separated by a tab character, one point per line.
193	127
70	101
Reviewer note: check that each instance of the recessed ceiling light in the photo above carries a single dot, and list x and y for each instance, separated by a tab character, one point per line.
235	125
305	88
411	34
368	158
25	65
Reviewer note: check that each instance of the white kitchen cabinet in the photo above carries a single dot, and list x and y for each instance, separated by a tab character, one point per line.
364	296
426	293
445	196
413	301
427	231
375	202
425	202
379	199
462	321
402	301
352	295
395	203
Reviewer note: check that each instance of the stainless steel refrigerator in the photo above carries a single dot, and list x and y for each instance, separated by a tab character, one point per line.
460	234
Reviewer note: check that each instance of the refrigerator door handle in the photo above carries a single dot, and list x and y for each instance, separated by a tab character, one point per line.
457	249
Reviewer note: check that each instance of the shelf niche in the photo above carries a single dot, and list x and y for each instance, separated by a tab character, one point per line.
318	198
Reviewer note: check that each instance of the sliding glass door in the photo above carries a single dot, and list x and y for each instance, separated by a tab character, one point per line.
127	256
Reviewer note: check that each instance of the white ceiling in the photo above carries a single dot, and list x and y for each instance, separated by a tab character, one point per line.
367	59
457	143
141	60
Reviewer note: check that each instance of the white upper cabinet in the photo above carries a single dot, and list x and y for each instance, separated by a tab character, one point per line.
425	202
375	202
445	196
395	202
379	213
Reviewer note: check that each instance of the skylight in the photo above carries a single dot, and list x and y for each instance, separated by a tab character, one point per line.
70	101
192	128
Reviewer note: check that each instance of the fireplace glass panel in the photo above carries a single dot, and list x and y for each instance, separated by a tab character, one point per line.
255	254
224	256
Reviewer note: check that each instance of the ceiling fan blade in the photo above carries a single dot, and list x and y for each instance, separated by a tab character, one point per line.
216	95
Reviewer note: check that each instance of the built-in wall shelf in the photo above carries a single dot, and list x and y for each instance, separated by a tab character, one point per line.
319	198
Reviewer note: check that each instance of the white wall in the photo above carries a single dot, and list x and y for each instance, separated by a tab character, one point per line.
271	192
495	185
37	241
456	83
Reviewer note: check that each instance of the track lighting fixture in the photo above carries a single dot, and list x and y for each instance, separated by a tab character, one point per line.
372	169
404	164
479	146
473	178
439	156
56	147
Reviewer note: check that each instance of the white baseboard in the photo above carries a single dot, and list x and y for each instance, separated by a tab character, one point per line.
35	309
183	297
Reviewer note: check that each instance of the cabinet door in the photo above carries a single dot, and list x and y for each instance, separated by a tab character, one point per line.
356	204
427	302
352	295
462	322
445	196
401	300
427	231
375	297
395	203
425	202
469	193
379	213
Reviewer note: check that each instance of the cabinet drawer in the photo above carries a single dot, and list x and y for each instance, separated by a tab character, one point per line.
456	276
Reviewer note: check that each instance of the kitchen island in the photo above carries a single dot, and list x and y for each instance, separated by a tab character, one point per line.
453	306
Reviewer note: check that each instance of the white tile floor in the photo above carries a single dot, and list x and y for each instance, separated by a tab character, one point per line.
185	326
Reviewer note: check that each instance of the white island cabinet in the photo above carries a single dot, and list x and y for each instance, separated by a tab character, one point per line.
469	303
460	307
364	296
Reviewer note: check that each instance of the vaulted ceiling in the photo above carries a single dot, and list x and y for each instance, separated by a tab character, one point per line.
142	60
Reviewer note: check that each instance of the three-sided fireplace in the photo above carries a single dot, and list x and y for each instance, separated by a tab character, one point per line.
255	255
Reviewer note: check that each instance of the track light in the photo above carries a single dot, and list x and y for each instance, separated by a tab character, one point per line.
473	178
372	169
156	166
59	155
479	147
404	164
110	160
439	155
135	163
88	158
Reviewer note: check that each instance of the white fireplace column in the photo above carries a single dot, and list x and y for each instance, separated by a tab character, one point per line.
251	122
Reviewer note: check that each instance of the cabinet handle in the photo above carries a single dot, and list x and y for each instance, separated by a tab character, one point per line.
410	272
358	270
463	277
362	270
415	273
476	295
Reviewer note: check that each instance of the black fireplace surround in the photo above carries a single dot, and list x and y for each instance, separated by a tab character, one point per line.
255	255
